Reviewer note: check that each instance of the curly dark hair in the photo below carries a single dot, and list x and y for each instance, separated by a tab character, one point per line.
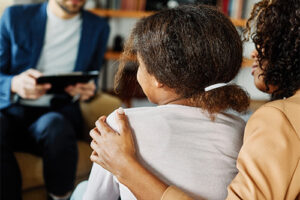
187	49
274	26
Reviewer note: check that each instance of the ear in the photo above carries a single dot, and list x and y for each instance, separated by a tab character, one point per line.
158	84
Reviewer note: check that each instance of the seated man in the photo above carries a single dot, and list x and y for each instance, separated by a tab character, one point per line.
54	37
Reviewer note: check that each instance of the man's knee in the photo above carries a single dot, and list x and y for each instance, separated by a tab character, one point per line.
54	126
54	121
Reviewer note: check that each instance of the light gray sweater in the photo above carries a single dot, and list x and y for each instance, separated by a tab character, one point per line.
183	147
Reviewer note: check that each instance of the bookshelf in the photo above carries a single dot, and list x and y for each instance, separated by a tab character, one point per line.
121	13
111	55
140	14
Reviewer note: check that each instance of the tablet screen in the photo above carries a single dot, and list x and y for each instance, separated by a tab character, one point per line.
60	81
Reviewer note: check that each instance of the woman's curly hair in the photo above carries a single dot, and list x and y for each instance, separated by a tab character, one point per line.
274	26
187	49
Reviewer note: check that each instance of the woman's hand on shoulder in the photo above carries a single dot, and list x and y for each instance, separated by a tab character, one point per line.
112	150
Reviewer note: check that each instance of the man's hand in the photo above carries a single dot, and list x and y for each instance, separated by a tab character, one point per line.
84	90
26	87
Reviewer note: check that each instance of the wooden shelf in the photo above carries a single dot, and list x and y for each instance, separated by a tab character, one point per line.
247	62
140	14
239	22
121	13
112	55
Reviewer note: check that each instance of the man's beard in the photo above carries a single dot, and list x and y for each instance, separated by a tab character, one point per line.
67	10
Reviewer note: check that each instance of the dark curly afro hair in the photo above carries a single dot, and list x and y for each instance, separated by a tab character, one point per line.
187	49
276	36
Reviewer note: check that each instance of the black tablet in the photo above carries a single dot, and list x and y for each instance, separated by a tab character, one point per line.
60	81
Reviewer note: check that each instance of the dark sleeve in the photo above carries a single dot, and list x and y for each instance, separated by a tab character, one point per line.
5	57
101	49
102	45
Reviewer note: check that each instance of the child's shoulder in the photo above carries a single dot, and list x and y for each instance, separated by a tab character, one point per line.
133	113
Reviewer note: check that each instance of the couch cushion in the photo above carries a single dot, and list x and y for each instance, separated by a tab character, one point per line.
32	166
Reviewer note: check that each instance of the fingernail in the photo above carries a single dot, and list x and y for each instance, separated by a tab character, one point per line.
120	111
97	123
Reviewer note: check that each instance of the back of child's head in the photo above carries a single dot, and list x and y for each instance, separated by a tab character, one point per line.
187	49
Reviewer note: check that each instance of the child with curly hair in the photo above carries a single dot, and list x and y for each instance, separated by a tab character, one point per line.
186	58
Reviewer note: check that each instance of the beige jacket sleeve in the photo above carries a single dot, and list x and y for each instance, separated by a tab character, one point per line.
268	163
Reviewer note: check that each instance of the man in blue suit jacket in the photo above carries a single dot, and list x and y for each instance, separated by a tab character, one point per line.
54	37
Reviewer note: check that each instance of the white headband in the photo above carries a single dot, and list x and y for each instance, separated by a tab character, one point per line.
215	86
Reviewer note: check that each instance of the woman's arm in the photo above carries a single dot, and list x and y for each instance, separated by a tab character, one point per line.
116	153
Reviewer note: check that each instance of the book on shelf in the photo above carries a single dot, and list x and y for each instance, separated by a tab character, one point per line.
137	5
237	9
141	4
130	5
225	6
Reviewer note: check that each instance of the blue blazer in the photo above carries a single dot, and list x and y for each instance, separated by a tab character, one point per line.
22	31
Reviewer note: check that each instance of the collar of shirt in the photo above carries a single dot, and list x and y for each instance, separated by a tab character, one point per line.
52	17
